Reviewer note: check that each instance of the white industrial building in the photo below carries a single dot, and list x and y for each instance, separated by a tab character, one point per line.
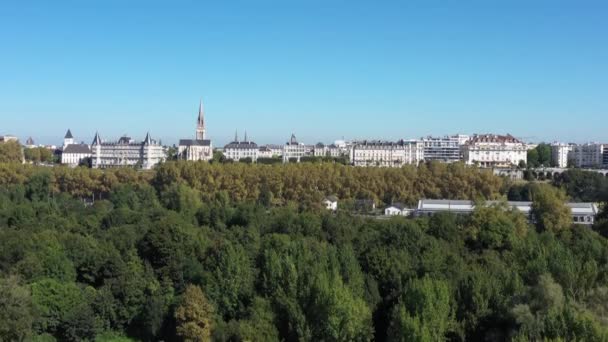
582	213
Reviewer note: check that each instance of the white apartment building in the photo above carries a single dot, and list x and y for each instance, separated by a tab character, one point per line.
293	150
199	148
322	150
237	150
491	150
446	149
385	153
588	155
559	154
126	152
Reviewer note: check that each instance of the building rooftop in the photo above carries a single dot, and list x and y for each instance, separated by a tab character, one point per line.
194	142
77	148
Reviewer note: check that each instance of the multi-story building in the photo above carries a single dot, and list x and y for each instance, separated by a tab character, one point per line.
446	149
199	148
275	150
322	150
264	152
73	154
293	150
491	150
587	155
126	152
559	154
237	150
386	153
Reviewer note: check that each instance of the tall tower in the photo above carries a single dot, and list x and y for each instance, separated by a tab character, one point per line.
68	139
200	125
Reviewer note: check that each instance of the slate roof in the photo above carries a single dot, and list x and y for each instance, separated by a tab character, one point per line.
68	135
332	198
242	145
77	148
194	142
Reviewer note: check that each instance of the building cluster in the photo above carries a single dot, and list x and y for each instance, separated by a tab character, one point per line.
484	150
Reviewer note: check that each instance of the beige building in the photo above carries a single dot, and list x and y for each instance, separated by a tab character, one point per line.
199	148
385	153
491	150
126	152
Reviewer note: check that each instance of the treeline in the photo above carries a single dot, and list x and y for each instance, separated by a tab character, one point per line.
169	264
305	183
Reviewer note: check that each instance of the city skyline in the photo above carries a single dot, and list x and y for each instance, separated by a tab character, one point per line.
359	71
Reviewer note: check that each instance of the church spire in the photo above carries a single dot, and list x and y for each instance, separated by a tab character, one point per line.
200	124
236	135
246	136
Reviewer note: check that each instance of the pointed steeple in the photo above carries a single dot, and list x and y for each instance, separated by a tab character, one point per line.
96	139
68	135
148	140
200	124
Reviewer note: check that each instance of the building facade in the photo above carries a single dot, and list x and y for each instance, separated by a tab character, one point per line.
293	150
322	150
237	150
491	150
386	153
199	148
559	154
126	152
446	149
587	155
73	154
581	213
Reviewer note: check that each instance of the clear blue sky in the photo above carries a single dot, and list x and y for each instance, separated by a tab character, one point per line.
321	69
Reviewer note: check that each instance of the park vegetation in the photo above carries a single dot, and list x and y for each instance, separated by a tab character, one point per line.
237	252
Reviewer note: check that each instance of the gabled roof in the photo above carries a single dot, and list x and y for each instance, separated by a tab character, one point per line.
77	148
331	198
68	135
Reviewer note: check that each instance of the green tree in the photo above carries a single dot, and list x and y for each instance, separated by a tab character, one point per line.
16	310
194	316
10	152
425	314
549	209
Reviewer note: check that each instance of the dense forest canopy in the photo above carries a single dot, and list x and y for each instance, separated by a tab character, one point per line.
237	252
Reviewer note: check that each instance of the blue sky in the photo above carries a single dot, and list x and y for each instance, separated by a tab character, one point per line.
320	69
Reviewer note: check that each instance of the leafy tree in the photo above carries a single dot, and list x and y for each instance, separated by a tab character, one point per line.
10	152
16	311
194	316
425	313
549	209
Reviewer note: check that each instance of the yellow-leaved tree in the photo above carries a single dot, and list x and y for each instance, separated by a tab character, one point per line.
194	316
